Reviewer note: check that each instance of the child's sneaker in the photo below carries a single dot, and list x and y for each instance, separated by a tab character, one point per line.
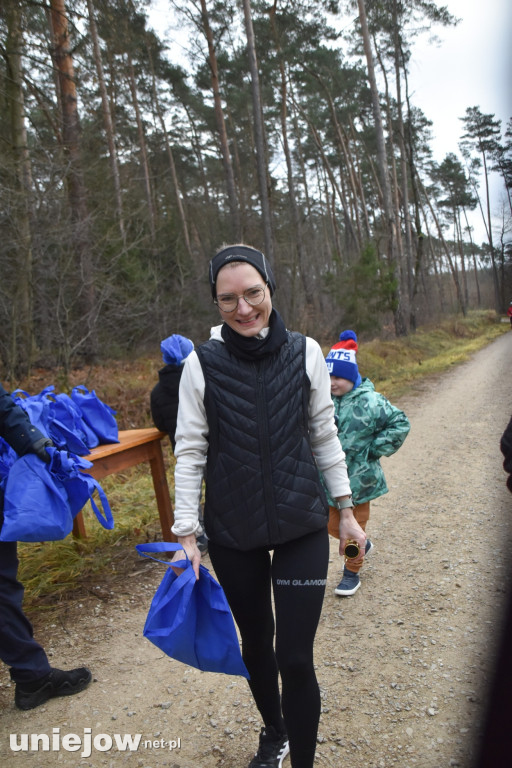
272	750
349	584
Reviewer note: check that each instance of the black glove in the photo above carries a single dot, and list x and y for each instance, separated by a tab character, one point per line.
39	448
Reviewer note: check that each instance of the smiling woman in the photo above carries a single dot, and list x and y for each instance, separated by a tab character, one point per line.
240	277
245	307
256	419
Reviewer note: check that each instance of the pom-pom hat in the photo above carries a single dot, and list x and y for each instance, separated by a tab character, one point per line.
341	360
241	253
175	349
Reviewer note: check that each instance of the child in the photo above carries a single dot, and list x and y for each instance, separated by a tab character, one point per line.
368	427
164	397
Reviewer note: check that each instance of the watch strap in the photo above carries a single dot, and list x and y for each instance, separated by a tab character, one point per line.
344	503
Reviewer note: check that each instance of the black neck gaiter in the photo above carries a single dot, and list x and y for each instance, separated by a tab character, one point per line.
251	348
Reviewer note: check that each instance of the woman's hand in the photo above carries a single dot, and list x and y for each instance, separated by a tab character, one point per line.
189	545
350	529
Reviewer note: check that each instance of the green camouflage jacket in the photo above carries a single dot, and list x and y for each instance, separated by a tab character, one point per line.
368	427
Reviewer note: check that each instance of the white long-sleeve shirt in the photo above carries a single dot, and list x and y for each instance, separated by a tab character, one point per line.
192	435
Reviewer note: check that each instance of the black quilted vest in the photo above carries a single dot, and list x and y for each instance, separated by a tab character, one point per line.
262	483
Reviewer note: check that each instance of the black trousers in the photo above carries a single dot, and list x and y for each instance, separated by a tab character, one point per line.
18	649
297	573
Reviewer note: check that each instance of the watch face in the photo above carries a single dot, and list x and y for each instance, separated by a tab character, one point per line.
351	549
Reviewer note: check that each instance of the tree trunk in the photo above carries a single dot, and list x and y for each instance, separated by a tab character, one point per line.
221	125
400	327
259	131
300	156
453	267
21	358
475	268
107	118
63	62
440	285
458	230
403	156
395	190
197	149
348	160
298	240
497	302
408	145
350	234
357	155
142	146
170	156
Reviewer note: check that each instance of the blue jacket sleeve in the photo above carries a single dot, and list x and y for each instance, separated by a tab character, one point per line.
15	426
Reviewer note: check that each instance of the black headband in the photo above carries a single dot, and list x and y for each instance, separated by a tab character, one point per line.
241	253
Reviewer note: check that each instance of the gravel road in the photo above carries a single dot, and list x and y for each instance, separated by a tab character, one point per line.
403	664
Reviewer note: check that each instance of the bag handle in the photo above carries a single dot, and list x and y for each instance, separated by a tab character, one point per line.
81	389
18	392
159	546
65	463
106	519
47	393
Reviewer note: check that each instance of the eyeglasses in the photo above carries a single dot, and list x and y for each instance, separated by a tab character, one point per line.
228	302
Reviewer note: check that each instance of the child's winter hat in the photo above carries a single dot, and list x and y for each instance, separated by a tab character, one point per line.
341	360
175	349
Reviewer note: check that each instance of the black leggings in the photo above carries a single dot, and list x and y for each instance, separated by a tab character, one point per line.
297	571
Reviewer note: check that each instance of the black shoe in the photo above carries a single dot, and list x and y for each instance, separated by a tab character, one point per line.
272	750
55	683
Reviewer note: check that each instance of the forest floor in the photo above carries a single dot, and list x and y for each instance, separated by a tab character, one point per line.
403	665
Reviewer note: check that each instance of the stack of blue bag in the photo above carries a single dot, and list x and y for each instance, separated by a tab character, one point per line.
41	500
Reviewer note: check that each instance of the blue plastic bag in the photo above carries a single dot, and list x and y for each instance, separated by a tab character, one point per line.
65	412
37	408
36	507
41	500
7	458
66	438
58	418
191	620
99	416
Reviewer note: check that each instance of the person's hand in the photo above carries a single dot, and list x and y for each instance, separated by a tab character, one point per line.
350	529
39	448
189	545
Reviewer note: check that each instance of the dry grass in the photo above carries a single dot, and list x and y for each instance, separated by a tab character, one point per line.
395	366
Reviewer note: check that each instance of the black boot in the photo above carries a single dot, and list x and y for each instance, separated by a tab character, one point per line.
56	683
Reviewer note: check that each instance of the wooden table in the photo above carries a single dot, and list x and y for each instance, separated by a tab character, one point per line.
134	447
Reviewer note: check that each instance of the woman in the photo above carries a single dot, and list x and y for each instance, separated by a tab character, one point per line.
255	407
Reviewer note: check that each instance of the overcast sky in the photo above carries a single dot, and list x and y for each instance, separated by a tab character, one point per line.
469	66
